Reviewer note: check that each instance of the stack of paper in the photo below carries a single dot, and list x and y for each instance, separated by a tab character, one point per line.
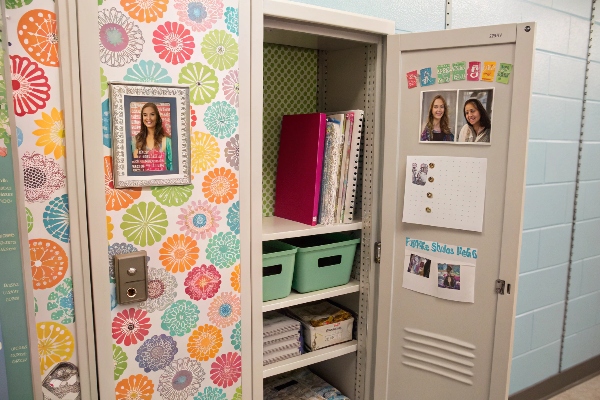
300	384
282	338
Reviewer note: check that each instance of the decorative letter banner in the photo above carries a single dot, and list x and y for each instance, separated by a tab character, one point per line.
473	71
504	73
489	70
412	77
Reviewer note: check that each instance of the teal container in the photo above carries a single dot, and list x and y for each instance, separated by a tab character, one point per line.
323	261
278	269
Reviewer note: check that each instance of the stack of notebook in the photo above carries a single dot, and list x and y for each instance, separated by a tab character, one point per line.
282	338
317	167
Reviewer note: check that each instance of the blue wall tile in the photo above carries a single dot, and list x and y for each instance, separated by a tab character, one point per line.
593	89
530	246
552	27
581	313
410	15
465	12
536	162
523	331
575	282
590	276
547	325
583	8
586	239
592	118
572	73
590	162
548	205
587	200
595	55
579	37
541	73
552	280
555	118
581	347
535	366
555	245
561	162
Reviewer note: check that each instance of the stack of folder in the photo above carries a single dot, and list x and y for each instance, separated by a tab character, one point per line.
317	167
282	338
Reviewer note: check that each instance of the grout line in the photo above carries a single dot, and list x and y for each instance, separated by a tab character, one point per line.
544	269
574	220
554	96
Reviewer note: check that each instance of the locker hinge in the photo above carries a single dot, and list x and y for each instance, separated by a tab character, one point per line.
500	286
377	252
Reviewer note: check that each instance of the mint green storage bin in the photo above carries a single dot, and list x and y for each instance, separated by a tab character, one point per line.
323	261
278	269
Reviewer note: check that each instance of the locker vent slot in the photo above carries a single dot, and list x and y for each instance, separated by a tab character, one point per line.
439	354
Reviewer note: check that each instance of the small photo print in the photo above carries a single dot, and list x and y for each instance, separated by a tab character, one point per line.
419	265
449	276
419	176
475	120
438	116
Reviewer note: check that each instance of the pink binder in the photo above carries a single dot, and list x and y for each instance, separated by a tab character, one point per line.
299	167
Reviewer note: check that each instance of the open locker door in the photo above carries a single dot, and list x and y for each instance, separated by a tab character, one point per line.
443	331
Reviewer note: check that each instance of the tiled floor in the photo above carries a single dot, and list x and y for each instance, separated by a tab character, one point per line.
588	390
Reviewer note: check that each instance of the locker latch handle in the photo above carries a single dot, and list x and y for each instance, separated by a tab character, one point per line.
378	252
500	286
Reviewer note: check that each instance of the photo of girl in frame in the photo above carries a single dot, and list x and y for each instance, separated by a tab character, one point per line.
150	134
152	148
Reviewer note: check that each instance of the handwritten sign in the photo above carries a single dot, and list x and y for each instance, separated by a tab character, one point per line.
504	73
459	71
489	70
443	73
413	78
426	78
474	71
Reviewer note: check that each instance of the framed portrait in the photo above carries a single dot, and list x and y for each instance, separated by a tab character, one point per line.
150	134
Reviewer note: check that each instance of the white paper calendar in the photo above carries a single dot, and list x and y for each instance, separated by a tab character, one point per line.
448	192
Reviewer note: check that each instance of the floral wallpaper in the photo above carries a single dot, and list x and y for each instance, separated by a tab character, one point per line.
34	65
184	342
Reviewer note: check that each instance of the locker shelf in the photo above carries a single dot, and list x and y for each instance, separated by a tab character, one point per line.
296	298
279	228
310	358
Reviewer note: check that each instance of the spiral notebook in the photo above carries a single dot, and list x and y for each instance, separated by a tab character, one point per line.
350	170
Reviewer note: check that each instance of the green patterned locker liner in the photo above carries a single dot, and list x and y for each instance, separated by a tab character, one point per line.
290	87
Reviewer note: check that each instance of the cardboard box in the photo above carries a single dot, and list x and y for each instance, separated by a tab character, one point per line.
323	324
327	335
